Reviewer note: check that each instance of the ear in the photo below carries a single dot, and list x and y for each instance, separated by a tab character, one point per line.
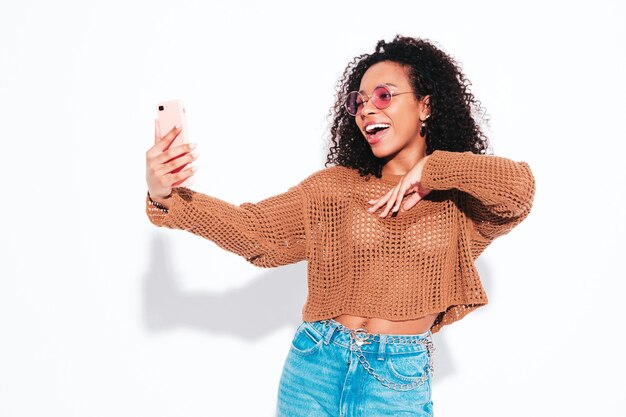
425	102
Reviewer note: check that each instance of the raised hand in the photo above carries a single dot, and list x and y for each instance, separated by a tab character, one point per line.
161	160
409	185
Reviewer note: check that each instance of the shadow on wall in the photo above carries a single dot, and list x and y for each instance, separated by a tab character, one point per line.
273	300
444	354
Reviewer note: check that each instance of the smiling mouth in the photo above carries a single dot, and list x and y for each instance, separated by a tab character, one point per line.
376	127
375	132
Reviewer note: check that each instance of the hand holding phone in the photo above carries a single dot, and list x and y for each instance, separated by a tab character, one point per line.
171	113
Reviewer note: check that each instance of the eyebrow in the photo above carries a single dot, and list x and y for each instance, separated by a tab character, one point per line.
378	85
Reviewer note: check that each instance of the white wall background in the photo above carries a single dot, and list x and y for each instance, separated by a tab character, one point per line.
103	314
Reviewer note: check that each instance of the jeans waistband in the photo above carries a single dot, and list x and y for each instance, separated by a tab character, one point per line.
333	331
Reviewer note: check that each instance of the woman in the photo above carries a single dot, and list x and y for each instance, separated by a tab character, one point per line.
390	231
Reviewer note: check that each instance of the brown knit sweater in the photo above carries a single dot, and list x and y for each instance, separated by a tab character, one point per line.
401	267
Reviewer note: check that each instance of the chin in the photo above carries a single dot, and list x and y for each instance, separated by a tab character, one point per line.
381	152
378	153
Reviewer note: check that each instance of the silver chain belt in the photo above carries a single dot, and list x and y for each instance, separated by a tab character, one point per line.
361	336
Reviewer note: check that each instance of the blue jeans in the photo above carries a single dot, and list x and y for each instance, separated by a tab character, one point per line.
325	374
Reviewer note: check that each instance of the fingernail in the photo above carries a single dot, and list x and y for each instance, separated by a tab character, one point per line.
192	146
178	127
194	155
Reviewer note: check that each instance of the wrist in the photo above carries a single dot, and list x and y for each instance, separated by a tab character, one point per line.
162	203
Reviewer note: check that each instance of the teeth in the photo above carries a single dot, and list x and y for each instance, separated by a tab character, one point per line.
369	128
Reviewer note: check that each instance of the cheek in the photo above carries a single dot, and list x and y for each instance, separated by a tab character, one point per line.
359	124
406	122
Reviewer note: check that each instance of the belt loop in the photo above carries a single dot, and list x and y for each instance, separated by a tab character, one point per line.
381	347
330	332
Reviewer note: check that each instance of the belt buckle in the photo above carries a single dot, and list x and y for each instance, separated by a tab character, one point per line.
360	336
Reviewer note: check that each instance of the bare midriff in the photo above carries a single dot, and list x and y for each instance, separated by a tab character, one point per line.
378	325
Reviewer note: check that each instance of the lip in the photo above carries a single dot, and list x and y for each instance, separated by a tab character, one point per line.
372	141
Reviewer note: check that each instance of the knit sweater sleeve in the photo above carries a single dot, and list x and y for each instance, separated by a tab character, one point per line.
268	233
498	192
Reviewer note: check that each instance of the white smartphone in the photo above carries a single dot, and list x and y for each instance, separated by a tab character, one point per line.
169	114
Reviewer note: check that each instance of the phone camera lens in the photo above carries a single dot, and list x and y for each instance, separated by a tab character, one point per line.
161	108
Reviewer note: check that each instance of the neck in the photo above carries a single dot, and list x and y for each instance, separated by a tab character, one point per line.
403	161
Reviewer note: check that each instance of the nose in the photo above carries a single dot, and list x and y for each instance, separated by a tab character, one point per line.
367	108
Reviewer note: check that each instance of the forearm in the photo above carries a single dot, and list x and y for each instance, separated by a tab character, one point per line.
504	187
268	233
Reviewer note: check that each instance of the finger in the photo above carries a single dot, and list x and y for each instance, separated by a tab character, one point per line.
399	199
378	202
172	153
165	142
394	201
157	131
381	200
180	177
156	155
391	201
411	201
155	149
176	163
386	208
423	192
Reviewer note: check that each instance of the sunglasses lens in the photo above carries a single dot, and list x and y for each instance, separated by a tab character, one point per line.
354	102
381	97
